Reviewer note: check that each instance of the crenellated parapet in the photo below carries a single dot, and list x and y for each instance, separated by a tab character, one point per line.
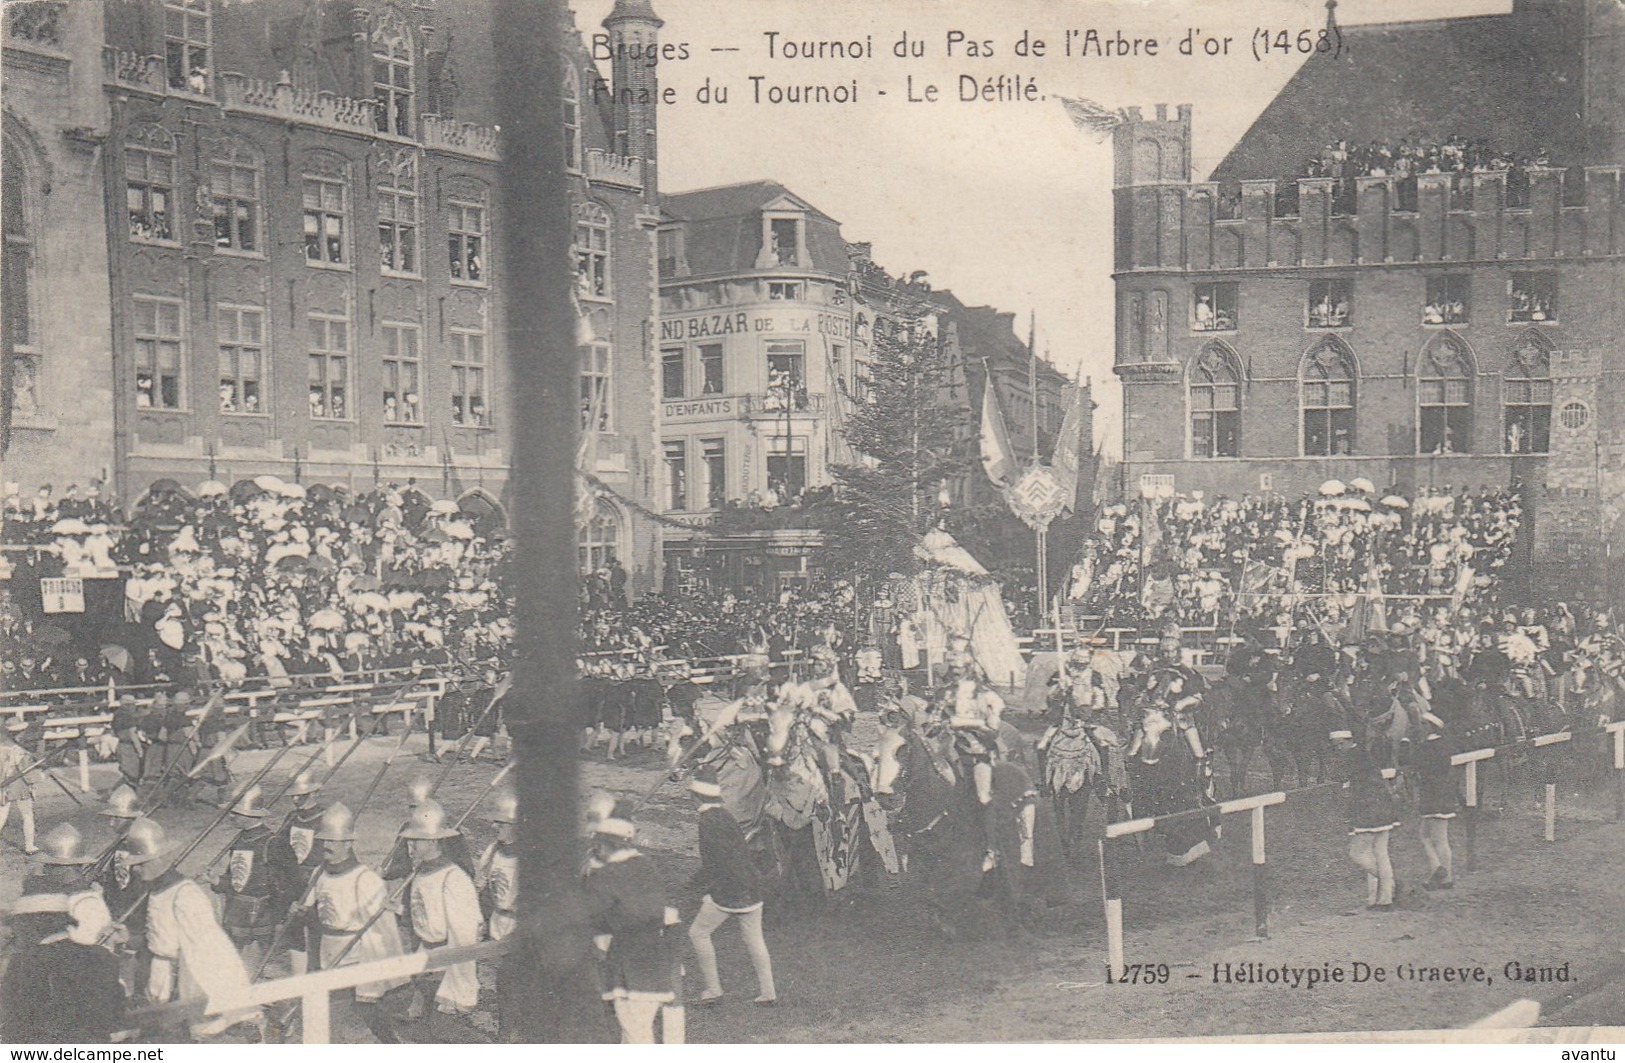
1488	215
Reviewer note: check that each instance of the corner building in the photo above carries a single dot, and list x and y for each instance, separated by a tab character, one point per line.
298	252
1421	331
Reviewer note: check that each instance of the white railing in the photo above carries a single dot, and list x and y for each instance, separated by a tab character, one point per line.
465	138
281	99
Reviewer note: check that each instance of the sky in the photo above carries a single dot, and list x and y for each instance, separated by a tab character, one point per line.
1004	202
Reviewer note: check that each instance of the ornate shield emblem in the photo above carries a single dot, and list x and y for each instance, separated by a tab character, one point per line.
242	866
303	840
327	909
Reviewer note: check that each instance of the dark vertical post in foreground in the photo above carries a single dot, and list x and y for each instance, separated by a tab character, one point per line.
546	985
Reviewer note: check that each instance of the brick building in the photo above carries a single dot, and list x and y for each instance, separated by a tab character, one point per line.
299	254
1421	331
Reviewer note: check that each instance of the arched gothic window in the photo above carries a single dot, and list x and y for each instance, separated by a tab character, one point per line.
19	388
1526	394
392	56
572	119
599	542
1445	397
1326	396
592	251
1214	393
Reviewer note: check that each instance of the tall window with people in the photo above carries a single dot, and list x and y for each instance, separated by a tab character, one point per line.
1445	397
235	184
186	45
1526	393
159	367
21	343
1214	395
468	383
1327	395
1213	307
241	331
392	55
597	414
402	368
1448	299
592	251
326	207
398	212
329	367
466	238
149	183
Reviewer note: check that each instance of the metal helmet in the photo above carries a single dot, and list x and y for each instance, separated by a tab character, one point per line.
303	783
338	824
121	804
428	823
505	808
249	804
64	846
145	841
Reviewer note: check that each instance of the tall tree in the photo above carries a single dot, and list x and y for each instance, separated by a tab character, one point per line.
908	426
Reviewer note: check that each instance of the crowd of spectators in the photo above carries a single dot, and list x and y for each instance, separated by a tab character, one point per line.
1186	558
709	625
262	579
1413	156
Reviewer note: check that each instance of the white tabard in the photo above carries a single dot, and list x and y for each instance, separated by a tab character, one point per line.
344	902
446	911
184	936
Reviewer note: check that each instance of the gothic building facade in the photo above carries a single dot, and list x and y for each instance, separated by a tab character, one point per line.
295	205
1423	327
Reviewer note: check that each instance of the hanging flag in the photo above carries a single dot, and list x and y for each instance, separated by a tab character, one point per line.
998	459
1067	446
1093	118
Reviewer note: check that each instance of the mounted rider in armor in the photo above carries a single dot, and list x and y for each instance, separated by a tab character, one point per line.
1178	690
973	711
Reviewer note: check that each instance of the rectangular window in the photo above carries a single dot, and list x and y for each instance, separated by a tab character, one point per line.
242	359
392	85
786	376
787	467
676	451
186	45
714	464
324	200
158	373
592	252
149	193
1331	304
1447	300
786	243
784	290
398	231
1528	415
403	399
1446	416
673	367
711	382
1532	297
468	383
235	185
596	391
329	368
1328	417
465	224
1214	308
671	244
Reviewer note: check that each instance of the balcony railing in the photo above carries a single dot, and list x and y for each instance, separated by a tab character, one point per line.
37	22
282	100
614	169
144	73
465	138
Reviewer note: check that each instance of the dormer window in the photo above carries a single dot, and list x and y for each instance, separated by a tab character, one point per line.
784	241
186	45
392	74
671	252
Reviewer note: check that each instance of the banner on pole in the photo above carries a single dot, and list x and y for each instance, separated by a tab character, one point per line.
62	595
1037	497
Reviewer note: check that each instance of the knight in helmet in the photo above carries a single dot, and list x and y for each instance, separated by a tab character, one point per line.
399	864
497	873
298	855
191	954
60	984
973	711
1076	688
341	903
124	890
444	910
253	886
1178	690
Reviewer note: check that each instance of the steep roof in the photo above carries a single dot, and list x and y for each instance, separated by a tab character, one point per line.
1511	81
722	227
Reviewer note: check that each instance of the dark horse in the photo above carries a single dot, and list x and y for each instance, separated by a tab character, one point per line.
1168	778
937	825
1239	714
1303	718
